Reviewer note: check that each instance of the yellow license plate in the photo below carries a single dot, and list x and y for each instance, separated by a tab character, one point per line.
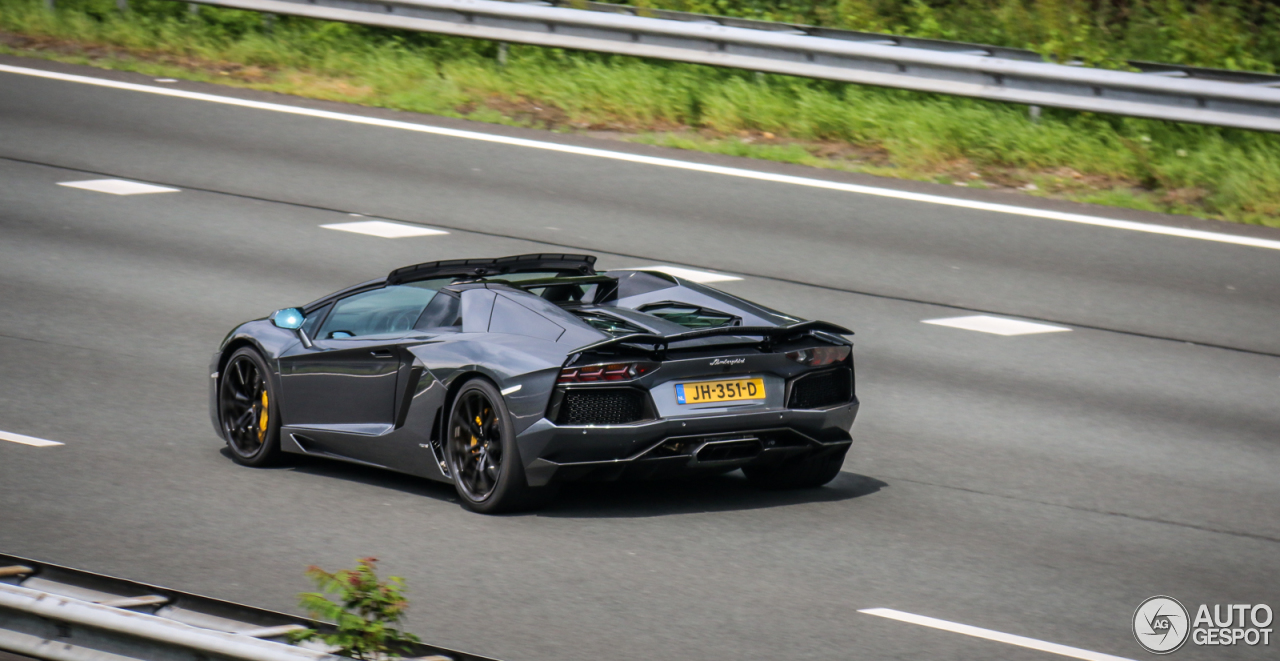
706	392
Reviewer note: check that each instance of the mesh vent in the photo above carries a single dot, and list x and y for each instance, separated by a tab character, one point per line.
824	389
601	406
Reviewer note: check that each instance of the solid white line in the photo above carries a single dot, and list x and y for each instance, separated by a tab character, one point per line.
662	162
1020	641
26	440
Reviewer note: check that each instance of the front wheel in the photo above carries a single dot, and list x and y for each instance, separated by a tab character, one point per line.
483	458
248	411
803	472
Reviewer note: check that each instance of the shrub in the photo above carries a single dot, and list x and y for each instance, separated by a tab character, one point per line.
367	612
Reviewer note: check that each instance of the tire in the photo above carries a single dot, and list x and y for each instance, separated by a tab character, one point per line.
484	461
248	410
806	472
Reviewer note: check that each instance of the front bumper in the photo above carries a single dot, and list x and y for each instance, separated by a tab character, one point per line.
672	447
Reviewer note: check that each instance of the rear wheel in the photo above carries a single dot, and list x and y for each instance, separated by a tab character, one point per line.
805	472
484	461
248	411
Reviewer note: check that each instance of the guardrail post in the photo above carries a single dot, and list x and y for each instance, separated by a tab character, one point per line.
48	4
122	5
1034	111
268	23
193	8
502	53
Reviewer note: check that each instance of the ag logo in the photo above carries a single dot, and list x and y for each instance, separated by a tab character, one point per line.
1161	625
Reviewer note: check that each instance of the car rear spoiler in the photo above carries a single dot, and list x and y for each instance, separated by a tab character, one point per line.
560	264
770	334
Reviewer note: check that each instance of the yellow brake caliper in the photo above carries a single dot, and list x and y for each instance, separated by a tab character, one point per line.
263	418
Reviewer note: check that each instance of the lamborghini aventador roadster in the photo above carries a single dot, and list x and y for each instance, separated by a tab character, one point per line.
509	376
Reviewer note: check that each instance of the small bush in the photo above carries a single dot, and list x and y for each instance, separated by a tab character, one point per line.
367	612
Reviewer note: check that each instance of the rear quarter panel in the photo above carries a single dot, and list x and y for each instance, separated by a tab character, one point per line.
526	364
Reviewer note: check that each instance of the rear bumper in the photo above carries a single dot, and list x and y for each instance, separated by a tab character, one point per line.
672	447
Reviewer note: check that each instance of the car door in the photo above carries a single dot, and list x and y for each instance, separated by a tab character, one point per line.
346	381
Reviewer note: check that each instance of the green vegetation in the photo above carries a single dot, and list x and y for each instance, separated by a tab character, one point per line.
366	612
1231	34
1210	172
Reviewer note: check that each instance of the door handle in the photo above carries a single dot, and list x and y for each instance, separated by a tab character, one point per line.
381	353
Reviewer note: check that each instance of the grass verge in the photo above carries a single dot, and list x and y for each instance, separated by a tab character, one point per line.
1158	166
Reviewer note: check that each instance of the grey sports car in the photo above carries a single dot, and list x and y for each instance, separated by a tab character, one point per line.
509	376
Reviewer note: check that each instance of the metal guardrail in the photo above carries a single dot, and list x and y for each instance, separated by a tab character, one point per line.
55	613
968	48
1185	94
44	626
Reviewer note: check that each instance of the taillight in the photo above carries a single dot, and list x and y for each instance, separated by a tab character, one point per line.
819	356
609	372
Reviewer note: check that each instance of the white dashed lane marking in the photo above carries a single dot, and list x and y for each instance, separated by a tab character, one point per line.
662	162
996	325
383	229
977	632
26	440
117	187
692	275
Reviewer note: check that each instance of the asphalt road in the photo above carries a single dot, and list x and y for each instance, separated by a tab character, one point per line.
1040	485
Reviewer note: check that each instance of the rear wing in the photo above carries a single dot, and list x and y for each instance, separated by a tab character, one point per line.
561	264
769	335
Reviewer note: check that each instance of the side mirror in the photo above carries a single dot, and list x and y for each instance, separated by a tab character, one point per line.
288	318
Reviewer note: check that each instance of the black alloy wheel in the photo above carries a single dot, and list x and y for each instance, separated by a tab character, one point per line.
247	410
481	451
475	443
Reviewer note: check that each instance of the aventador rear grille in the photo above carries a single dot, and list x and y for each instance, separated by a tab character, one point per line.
601	406
823	389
